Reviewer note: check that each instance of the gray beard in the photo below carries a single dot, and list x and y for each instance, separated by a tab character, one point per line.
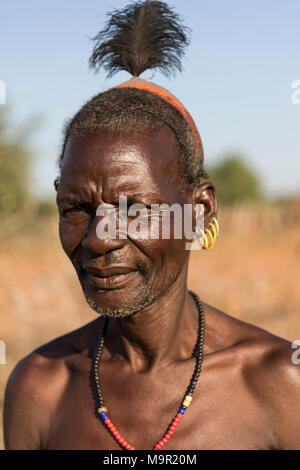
145	297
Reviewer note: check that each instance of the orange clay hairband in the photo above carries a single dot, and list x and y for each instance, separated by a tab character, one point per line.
167	96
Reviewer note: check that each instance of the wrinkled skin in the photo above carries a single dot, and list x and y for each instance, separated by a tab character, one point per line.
247	396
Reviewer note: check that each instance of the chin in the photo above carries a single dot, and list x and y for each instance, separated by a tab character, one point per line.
120	303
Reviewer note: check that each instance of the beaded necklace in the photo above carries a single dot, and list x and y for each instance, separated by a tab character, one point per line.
102	410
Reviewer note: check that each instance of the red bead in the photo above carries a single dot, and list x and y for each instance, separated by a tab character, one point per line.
176	420
121	440
172	427
168	435
157	447
128	446
161	443
164	439
107	421
171	431
179	415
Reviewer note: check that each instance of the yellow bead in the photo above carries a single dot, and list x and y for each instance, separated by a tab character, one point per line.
186	403
102	409
188	398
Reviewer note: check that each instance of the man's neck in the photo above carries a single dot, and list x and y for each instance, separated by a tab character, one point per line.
161	333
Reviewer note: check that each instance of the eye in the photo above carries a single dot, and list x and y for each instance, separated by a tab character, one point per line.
76	211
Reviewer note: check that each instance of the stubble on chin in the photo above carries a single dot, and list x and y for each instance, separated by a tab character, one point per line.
145	296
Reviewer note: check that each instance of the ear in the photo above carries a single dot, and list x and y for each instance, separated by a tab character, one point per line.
56	183
205	194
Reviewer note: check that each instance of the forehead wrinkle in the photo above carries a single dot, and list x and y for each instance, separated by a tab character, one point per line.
123	162
137	190
124	153
77	188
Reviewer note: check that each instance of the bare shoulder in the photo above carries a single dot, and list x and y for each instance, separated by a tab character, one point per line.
270	366
35	386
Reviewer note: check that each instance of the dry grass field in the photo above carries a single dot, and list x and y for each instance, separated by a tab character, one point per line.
252	273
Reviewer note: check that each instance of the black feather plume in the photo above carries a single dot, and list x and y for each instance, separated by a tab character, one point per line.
144	35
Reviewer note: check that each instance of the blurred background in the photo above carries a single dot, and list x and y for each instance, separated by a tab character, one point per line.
237	84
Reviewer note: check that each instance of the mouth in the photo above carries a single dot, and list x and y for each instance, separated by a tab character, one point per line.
110	277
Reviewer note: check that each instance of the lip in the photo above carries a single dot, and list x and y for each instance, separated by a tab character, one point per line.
111	277
108	271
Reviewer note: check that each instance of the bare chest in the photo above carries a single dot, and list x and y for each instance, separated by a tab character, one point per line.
221	416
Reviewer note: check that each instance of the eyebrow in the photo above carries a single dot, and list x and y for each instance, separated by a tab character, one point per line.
68	199
143	196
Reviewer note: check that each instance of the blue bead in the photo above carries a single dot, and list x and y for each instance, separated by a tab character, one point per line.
103	415
182	410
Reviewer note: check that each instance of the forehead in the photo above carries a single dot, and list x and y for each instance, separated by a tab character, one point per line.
111	160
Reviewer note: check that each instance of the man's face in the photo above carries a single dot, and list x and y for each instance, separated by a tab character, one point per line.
120	276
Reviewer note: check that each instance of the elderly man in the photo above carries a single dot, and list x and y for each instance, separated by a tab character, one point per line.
136	368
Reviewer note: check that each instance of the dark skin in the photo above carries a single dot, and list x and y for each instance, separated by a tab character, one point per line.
247	396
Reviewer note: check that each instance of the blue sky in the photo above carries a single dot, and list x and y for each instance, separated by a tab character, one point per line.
236	83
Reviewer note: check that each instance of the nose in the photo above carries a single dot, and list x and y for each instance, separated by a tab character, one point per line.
102	237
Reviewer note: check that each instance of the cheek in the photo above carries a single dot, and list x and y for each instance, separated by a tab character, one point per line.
71	234
167	257
158	238
174	254
175	260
